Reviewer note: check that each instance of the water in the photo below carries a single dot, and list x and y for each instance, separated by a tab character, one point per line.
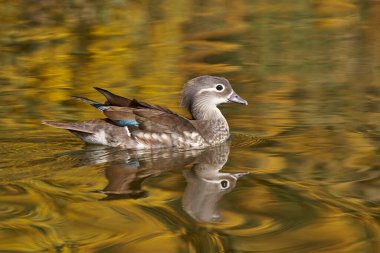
302	172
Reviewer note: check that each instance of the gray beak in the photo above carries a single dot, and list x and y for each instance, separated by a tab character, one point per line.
235	98
239	174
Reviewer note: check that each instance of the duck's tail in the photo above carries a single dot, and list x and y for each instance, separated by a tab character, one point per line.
71	126
93	131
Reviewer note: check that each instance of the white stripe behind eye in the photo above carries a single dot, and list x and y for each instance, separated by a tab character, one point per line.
206	89
212	89
216	100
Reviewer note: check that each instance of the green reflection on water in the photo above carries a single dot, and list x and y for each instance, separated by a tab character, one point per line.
310	137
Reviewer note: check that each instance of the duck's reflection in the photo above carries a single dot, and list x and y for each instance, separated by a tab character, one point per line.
206	185
124	182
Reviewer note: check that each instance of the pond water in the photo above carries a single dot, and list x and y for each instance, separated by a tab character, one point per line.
301	173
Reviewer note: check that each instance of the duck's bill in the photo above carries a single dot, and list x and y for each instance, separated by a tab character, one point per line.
239	174
235	98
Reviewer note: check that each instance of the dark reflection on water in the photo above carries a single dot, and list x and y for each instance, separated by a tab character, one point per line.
126	172
310	137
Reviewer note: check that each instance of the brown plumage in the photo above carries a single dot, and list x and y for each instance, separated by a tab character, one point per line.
138	125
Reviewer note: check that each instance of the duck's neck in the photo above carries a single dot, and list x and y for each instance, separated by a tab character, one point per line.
201	110
205	111
217	127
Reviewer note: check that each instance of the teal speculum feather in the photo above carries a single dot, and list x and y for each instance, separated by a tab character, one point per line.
126	122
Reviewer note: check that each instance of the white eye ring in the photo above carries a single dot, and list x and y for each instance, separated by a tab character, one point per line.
219	87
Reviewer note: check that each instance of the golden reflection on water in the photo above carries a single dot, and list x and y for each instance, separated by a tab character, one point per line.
309	137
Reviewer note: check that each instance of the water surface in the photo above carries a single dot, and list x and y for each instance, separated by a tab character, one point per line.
301	174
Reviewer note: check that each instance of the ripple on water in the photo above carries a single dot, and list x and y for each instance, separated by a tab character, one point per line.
44	218
24	217
293	217
13	203
53	203
240	140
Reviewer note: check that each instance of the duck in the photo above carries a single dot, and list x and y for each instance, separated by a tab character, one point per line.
133	124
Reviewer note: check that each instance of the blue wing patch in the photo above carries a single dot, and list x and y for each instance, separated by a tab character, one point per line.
126	122
133	164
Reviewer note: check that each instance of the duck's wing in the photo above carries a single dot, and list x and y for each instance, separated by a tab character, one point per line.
147	117
149	120
155	126
151	126
113	99
130	123
116	100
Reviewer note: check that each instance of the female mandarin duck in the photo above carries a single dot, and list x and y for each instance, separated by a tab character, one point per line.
138	125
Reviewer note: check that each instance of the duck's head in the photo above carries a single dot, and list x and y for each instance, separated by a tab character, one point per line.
204	93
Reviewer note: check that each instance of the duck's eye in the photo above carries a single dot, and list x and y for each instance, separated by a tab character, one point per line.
224	184
219	87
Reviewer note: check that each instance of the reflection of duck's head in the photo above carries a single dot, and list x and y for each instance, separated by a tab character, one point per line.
206	185
224	181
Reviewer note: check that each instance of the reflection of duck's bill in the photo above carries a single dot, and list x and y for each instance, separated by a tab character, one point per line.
233	175
223	176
